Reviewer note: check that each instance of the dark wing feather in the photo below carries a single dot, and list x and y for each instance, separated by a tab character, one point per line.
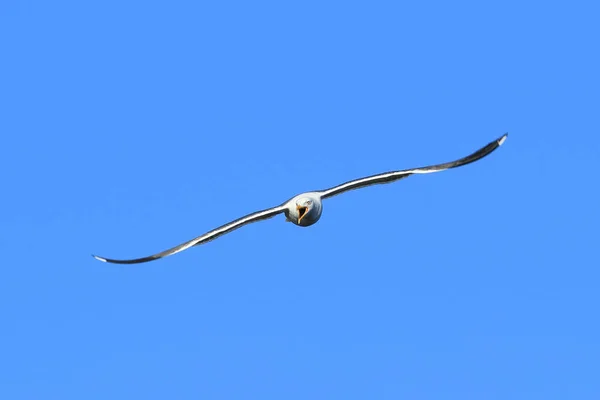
392	176
215	233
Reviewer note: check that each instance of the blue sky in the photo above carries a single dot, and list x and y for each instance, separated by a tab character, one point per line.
129	127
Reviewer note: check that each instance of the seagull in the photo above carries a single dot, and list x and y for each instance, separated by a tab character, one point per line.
305	209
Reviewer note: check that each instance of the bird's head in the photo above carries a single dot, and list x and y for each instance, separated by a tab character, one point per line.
307	211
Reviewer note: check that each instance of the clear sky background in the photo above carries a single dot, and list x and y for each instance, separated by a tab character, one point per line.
128	127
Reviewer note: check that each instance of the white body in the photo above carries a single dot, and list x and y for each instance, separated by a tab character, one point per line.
314	207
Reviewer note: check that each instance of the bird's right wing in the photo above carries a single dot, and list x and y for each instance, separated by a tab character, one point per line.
215	233
392	176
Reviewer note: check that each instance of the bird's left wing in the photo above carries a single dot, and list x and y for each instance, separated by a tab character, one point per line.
215	233
396	175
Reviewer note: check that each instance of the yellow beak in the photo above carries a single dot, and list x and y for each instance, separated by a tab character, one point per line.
301	212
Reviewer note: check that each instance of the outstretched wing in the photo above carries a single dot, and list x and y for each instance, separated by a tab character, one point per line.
392	176
215	233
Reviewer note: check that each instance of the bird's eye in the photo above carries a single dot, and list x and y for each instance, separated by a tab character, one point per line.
308	203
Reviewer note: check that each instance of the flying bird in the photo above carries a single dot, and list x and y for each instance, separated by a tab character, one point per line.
305	209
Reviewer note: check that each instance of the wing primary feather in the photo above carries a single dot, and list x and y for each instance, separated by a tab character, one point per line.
392	176
211	235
